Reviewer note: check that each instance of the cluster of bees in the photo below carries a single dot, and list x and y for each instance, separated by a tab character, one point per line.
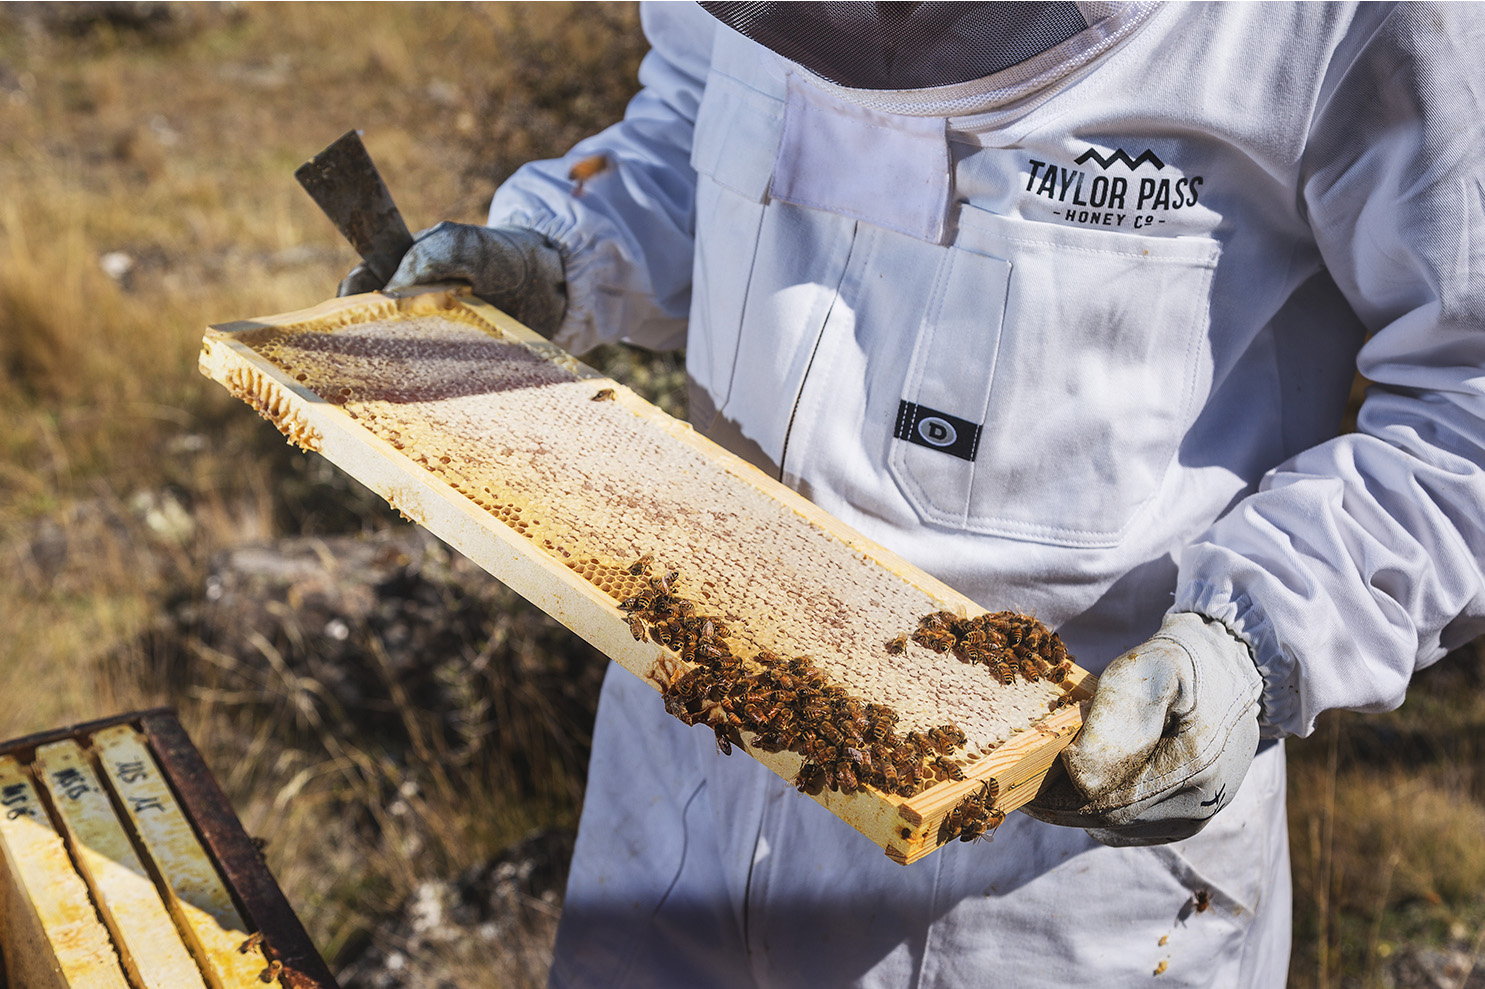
1008	643
847	745
973	816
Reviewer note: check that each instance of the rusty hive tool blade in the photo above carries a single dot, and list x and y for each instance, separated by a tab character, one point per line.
345	183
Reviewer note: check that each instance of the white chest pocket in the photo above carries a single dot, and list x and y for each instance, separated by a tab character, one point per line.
1053	376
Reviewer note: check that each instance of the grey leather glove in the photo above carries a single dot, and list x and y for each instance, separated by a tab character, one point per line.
1168	739
514	269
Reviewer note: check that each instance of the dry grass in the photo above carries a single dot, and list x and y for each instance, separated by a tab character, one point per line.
124	475
1387	829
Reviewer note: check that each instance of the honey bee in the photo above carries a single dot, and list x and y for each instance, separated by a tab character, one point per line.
938	620
588	169
854	717
845	777
1203	900
781	697
603	395
727	736
945	738
938	641
761	715
1029	672
770	742
952	826
889	777
897	646
641	565
810	779
253	940
712	652
639	602
272	972
813	709
950	769
637	628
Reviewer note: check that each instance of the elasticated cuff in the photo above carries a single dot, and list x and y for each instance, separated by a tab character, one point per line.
585	265
1280	711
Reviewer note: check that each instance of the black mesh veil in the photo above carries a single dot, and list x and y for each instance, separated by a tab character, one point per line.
903	45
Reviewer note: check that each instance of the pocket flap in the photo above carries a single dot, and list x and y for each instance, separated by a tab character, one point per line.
737	136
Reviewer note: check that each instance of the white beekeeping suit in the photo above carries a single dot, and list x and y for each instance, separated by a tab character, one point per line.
1076	337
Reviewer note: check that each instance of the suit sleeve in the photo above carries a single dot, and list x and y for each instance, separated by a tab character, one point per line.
1359	561
627	240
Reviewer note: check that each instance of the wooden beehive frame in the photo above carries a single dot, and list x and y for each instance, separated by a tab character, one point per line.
123	865
315	413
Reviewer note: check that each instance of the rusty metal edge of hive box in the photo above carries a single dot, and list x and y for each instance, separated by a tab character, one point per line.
238	860
905	828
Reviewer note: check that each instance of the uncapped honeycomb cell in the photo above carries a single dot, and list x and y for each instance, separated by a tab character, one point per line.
597	487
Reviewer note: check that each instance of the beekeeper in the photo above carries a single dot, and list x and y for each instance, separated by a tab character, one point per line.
1061	302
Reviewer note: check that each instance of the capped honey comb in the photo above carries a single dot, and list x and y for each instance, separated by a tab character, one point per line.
584	498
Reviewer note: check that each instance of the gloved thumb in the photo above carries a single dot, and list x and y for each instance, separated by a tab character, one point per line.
1135	705
360	279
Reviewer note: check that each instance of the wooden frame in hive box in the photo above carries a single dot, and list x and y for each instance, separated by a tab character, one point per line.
123	866
470	423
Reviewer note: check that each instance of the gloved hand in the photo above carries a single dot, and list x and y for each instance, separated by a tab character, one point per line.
514	269
1168	739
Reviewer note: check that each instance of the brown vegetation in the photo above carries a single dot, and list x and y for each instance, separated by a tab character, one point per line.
377	709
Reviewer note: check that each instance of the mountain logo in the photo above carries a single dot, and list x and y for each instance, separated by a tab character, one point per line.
1120	155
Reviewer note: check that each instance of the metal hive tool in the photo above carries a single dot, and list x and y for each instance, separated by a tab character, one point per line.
587	500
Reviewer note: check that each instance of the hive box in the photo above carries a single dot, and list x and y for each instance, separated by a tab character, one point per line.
560	482
122	866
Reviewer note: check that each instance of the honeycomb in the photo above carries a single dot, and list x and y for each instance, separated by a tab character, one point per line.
597	483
